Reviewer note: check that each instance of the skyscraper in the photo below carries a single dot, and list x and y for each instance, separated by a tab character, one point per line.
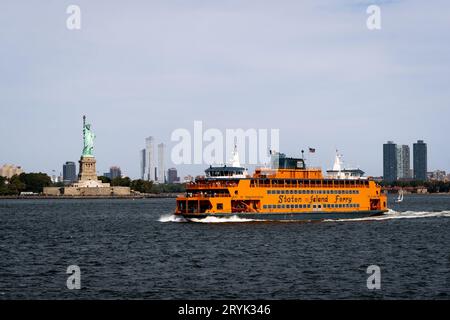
161	167
115	172
172	176
420	160
69	172
389	161
150	171
143	158
403	162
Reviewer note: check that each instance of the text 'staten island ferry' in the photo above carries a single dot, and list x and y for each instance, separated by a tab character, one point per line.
288	190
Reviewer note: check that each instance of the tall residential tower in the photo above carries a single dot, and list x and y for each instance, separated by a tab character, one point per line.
389	161
150	171
161	178
403	162
420	160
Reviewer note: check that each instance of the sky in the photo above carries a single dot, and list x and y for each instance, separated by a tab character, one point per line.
311	69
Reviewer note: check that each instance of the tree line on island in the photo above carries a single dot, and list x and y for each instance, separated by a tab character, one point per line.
36	182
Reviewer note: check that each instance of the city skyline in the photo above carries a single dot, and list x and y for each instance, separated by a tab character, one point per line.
319	75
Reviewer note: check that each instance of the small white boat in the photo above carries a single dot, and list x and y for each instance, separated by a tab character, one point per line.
400	196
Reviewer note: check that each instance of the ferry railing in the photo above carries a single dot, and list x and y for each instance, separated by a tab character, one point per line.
211	185
205	196
334	184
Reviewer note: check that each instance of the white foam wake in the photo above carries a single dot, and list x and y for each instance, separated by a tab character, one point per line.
209	219
171	218
392	214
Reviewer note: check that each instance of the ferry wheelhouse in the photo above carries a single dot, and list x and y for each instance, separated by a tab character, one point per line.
287	190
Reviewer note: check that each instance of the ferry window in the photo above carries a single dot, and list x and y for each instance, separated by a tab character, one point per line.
219	206
319	206
278	192
314	206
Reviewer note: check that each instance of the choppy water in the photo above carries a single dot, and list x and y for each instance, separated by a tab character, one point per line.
137	249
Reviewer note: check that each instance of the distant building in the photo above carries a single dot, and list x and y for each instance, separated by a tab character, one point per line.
143	163
188	178
107	175
9	170
115	172
403	162
161	177
150	172
437	175
389	161
420	160
69	172
172	176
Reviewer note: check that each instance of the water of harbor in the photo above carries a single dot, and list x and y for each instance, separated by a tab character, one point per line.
135	249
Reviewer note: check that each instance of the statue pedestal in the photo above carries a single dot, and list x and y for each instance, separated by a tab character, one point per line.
87	178
87	169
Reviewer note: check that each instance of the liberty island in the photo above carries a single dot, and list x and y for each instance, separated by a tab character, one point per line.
88	183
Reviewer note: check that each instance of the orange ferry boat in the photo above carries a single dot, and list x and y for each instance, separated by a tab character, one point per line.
288	190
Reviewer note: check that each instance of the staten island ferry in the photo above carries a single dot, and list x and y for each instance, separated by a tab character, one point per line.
285	190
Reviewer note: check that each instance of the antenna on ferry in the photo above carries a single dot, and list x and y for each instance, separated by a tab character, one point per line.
303	157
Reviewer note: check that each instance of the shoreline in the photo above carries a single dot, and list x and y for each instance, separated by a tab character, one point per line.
43	197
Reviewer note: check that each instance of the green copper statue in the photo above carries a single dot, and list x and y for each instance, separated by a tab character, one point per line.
88	139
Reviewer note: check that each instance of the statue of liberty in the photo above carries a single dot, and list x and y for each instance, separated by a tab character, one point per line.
88	139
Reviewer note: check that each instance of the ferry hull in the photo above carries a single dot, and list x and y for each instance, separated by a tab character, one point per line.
291	216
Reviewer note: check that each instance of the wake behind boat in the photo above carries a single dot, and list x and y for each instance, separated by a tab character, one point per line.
287	190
